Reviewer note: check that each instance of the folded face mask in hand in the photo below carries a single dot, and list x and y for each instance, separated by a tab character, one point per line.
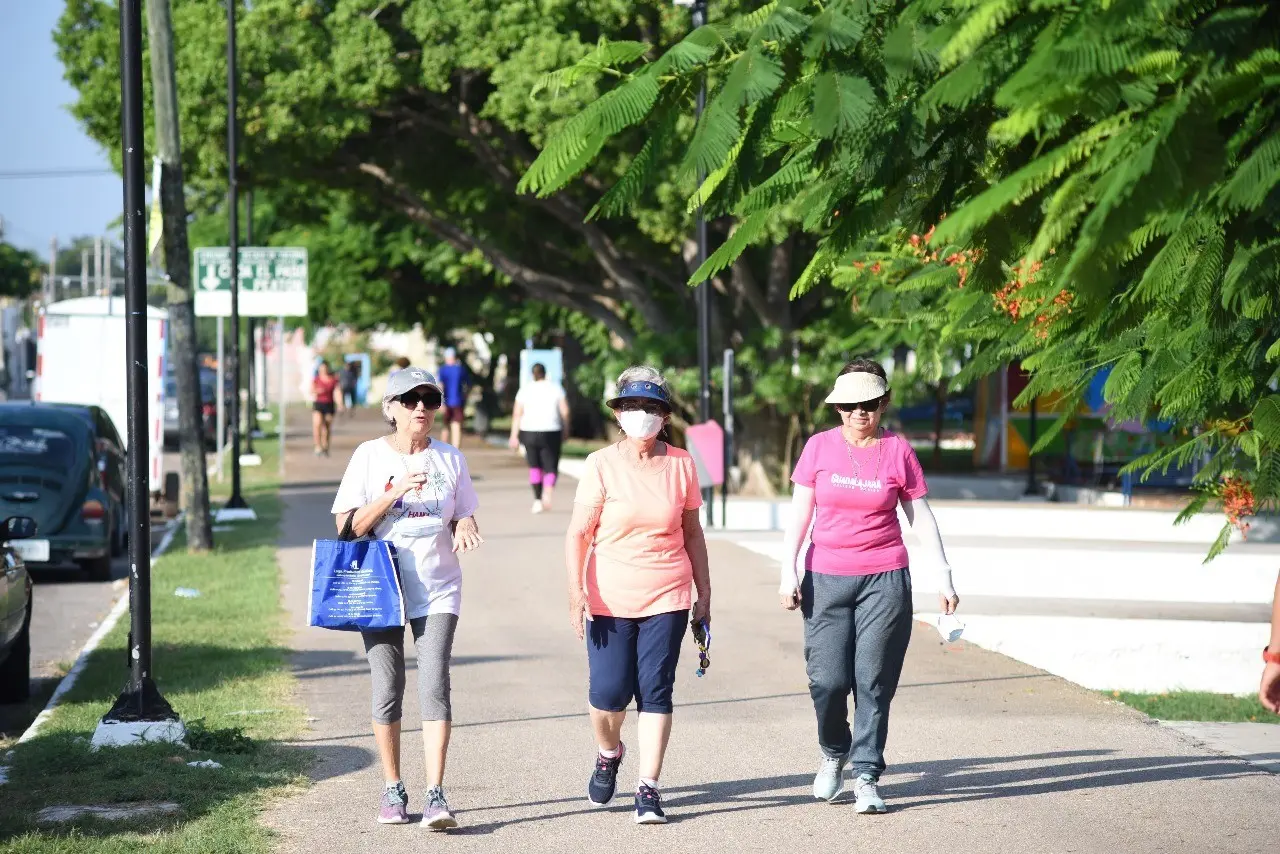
950	628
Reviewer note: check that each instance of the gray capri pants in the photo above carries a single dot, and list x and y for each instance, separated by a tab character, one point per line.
433	637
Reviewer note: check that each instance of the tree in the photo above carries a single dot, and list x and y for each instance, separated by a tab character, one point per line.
19	271
1110	172
396	133
181	305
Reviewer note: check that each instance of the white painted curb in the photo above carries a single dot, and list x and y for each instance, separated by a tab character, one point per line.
117	610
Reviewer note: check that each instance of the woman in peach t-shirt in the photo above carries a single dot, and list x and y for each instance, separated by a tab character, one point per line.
634	548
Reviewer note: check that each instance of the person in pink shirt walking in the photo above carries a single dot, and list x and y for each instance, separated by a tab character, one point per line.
634	549
854	589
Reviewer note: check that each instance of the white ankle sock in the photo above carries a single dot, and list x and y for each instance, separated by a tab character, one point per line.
612	754
394	784
645	781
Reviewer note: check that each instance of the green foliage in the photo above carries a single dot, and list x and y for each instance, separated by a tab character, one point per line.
1102	178
19	271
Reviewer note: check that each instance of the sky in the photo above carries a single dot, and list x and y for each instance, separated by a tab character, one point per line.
37	132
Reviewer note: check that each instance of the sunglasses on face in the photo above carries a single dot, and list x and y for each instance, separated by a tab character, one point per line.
652	407
865	406
411	399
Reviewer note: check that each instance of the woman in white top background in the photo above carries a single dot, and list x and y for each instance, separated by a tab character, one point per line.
417	494
540	422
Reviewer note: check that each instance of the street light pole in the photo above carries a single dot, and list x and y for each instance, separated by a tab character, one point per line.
702	294
141	700
236	501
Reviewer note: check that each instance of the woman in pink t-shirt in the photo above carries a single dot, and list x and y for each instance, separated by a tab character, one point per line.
634	548
854	589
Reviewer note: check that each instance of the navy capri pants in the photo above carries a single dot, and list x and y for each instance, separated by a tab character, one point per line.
634	657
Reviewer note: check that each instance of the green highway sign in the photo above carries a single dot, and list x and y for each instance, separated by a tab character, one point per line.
273	281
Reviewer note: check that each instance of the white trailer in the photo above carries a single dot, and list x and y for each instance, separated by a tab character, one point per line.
80	358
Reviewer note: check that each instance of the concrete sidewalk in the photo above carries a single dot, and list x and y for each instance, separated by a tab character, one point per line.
985	754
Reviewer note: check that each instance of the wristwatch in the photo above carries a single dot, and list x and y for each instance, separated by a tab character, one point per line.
1270	657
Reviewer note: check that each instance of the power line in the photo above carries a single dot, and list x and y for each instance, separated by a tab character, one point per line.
54	173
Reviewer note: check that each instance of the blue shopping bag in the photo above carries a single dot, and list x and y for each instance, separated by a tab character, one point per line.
355	585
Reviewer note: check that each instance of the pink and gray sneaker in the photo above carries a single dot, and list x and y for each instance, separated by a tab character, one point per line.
395	805
435	813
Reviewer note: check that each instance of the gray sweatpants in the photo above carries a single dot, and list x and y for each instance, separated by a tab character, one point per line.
433	637
856	631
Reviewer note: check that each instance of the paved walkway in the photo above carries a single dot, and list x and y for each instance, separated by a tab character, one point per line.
986	754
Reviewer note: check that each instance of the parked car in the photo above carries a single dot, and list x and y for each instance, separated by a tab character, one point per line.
208	408
64	465
15	611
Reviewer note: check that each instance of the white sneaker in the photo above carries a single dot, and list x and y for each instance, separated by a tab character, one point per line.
537	506
867	798
828	783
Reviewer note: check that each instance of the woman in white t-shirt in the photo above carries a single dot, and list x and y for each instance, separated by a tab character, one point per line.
540	422
417	494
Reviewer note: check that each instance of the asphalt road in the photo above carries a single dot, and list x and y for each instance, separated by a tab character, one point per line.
67	608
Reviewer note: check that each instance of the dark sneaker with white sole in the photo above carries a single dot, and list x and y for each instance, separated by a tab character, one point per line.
649	806
604	779
395	806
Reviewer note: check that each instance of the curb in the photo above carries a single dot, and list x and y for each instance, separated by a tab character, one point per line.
117	610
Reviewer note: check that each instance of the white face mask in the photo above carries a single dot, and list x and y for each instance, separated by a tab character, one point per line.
640	425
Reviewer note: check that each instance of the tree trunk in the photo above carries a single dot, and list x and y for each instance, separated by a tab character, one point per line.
182	324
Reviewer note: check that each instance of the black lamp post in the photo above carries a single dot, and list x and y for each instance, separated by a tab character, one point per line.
702	294
236	501
141	700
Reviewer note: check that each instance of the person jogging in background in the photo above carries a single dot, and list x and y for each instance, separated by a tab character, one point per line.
350	378
540	422
1269	690
325	403
456	382
854	587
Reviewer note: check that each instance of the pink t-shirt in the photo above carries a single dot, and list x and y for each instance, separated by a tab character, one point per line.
855	524
638	565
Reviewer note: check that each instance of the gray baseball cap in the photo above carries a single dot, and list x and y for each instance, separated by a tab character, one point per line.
407	379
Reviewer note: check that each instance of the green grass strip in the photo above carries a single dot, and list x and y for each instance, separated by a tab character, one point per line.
221	660
1197	706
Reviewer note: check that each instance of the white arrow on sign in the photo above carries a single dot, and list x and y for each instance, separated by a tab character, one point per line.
211	280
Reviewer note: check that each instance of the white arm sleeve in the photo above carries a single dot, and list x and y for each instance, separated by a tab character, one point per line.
802	503
925	527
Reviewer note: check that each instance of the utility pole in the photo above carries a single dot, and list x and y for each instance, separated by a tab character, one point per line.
177	262
84	272
702	294
97	266
140	707
106	269
236	501
251	407
53	269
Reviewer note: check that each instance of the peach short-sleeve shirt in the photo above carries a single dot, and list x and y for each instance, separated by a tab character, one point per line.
638	565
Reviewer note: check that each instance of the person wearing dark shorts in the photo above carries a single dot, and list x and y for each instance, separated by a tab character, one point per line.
634	549
350	380
456	382
324	404
540	422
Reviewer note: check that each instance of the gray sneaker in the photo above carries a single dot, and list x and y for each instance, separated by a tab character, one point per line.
828	783
867	798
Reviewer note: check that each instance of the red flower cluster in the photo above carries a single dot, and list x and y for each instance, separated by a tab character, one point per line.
1237	502
1007	299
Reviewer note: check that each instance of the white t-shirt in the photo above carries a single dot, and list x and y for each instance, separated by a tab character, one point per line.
541	402
418	524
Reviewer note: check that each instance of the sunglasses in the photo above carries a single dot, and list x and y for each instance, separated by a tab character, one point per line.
865	406
702	637
652	407
411	399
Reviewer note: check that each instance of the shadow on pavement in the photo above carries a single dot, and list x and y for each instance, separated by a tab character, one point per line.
944	781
